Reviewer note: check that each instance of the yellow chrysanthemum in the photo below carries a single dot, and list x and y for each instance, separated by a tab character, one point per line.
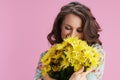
71	52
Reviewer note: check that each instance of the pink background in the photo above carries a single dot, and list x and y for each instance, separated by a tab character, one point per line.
24	25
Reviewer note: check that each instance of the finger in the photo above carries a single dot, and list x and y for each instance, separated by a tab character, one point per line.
88	71
81	76
80	71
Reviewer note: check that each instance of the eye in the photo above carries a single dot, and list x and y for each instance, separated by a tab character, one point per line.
67	27
80	30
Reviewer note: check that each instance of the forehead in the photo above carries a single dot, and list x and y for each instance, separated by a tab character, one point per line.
72	20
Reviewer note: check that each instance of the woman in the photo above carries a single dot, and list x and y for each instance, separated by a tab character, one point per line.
75	19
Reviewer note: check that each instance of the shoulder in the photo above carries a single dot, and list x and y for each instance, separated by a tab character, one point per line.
98	72
99	48
43	53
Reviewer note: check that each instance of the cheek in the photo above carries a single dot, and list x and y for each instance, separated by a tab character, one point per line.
64	33
81	36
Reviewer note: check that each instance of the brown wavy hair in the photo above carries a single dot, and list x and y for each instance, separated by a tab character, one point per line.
89	24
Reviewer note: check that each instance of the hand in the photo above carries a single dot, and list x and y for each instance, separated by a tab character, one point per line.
47	77
80	75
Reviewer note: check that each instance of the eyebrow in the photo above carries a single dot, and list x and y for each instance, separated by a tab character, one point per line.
71	26
68	25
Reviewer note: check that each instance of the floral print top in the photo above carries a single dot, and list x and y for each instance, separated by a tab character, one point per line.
94	75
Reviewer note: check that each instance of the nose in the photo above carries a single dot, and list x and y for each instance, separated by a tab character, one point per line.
73	33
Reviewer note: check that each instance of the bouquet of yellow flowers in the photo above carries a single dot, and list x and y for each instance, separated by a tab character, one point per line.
63	59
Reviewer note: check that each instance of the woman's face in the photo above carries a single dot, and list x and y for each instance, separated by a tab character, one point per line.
71	26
